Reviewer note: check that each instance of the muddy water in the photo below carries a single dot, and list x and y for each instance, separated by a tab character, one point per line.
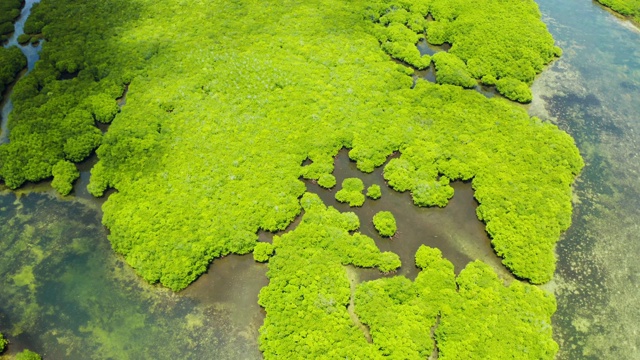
454	229
593	92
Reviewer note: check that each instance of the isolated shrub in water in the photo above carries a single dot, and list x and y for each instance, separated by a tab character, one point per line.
385	223
374	192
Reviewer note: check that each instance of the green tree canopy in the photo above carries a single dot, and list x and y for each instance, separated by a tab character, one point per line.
64	174
209	146
385	223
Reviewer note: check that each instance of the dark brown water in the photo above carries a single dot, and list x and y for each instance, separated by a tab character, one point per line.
454	229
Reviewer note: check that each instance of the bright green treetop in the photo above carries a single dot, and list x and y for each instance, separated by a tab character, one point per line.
385	223
374	192
351	192
64	174
27	355
262	252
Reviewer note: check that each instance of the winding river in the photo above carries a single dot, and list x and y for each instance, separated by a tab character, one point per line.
66	295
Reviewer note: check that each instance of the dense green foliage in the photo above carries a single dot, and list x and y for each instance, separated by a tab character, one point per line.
308	293
219	118
509	192
401	313
9	11
496	39
12	60
397	32
263	251
327	181
351	192
630	8
64	174
514	90
308	287
385	223
3	343
27	355
374	192
23	39
489	320
482	320
451	70
54	112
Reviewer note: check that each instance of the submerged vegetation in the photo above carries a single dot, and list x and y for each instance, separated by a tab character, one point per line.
629	8
65	295
12	60
196	182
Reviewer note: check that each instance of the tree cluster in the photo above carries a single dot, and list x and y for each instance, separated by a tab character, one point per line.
451	70
12	61
64	174
475	315
351	192
385	223
71	87
9	12
327	181
308	292
3	343
263	251
629	8
374	192
491	40
219	118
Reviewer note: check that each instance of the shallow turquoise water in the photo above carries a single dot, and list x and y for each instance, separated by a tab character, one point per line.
593	92
66	295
